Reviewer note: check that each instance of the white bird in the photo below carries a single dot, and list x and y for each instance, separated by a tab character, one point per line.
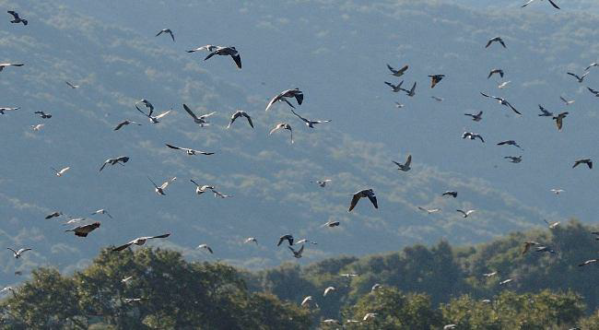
491	274
209	48
240	113
167	31
306	301
375	287
205	247
138	241
200	120
6	65
551	225
429	211
514	159
310	123
504	84
153	119
201	189
189	151
557	191
102	211
449	326
305	241
284	95
127	279
73	221
160	189
17	254
113	161
398	105
567	102
62	171
5	109
466	214
369	316
283	126
251	239
328	290
504	282
37	128
226	51
323	183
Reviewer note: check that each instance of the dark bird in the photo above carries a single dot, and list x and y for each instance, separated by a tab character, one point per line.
16	18
412	91
435	79
190	152
226	51
288	238
397	73
138	241
593	91
43	114
5	65
453	194
113	161
514	159
495	71
502	101
283	126
395	88
240	113
545	112
592	65
361	194
580	79
308	122
167	31
125	123
331	224
54	214
406	166
472	136
83	231
559	120
586	161
496	39
509	143
550	1
475	117
298	253
527	246
200	120
71	85
287	94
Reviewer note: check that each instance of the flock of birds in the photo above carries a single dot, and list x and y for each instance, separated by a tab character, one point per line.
147	109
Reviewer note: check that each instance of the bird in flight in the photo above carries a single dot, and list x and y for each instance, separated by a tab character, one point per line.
113	161
557	191
125	123
167	31
496	39
288	238
559	120
502	101
466	214
153	119
16	18
17	254
54	214
205	247
504	84
160	189
495	71
61	172
287	94
592	65
83	231
397	73
588	262
551	225
595	92
435	79
283	126
472	136
226	51
429	211
475	117
43	115
509	143
550	1
438	99
453	194
586	162
37	128
395	88
297	254
209	48
308	122
240	113
6	65
200	120
406	166
514	159
567	102
190	152
102	211
138	241
5	109
331	224
362	194
412	91
328	290
251	240
73	86
323	183
545	112
580	79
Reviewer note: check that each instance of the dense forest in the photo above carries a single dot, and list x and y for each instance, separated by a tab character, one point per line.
489	286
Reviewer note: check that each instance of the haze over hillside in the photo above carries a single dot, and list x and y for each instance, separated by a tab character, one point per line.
336	53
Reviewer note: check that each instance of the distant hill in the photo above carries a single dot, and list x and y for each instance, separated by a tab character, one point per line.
337	55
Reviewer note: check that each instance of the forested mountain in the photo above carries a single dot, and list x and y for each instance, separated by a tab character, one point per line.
416	288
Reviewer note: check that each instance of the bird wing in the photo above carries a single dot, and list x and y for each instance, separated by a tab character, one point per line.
142	112
354	201
237	59
372	198
197	185
574	75
64	170
163	114
299	97
554	4
13	251
559	122
193	115
275	129
172	34
104	165
153	183
249	119
528	3
512	107
121	124
272	101
409	161
301	250
159	236
485	95
23	250
461	211
300	117
122	247
390	68
210	55
173	147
